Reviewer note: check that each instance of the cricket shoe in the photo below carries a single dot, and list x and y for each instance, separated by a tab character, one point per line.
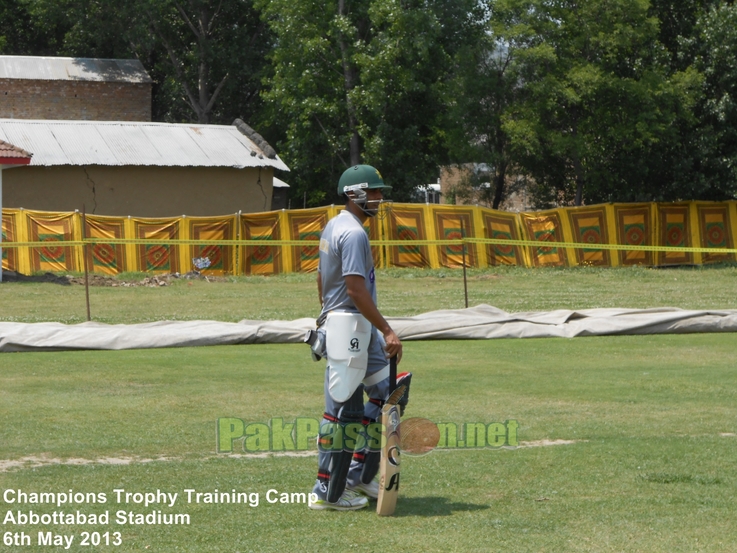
349	501
370	490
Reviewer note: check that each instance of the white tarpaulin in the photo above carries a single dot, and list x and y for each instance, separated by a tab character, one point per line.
480	322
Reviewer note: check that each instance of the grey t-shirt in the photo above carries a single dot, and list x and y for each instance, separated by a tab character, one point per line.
344	250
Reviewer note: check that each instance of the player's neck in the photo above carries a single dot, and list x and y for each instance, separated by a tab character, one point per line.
357	211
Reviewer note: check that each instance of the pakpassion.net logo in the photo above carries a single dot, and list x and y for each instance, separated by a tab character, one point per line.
418	435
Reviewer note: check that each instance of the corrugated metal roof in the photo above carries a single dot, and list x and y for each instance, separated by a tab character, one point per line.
117	143
72	69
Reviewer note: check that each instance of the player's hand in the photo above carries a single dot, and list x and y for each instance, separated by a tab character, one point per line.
393	345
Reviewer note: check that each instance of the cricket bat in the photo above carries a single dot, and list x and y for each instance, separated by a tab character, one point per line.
390	452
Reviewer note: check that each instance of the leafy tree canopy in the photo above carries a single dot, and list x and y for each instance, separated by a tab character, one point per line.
594	100
363	81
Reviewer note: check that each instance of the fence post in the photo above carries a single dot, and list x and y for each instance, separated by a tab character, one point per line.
84	256
465	281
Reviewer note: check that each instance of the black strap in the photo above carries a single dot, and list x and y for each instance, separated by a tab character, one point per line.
392	374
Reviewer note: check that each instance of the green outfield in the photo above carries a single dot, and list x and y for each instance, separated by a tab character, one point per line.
402	292
626	443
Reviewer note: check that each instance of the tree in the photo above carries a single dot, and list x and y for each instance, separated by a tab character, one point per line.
717	113
407	97
22	33
600	113
215	54
677	21
488	84
361	81
206	57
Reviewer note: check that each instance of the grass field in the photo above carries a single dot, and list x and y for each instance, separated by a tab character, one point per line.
650	422
402	292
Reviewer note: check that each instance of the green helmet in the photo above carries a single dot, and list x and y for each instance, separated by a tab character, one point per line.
360	177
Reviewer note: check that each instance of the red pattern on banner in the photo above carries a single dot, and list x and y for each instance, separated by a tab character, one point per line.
714	225
157	256
220	256
261	260
306	224
545	227
407	223
104	254
108	258
634	228
675	230
48	227
589	226
501	226
448	227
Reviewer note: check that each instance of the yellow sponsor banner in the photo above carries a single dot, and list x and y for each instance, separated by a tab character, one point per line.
713	223
402	235
674	230
500	225
155	252
106	257
612	234
482	251
262	259
408	222
565	224
51	229
454	223
545	226
10	224
212	259
733	222
131	264
635	227
306	225
590	226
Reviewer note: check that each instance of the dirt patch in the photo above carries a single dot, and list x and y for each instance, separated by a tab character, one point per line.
487	276
34	461
103	280
267	454
98	280
547	443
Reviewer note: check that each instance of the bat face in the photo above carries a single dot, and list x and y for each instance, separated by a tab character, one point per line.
390	461
393	449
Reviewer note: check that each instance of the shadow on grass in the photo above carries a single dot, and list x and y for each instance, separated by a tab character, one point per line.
12	276
433	506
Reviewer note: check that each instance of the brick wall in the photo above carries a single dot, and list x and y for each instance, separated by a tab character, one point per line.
75	100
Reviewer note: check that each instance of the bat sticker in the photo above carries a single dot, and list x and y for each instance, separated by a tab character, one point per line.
393	456
394	482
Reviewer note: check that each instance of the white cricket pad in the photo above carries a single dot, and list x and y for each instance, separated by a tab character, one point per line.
348	336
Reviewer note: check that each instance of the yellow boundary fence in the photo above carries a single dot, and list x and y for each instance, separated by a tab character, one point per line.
403	235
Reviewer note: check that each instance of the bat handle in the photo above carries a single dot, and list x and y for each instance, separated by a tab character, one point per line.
392	374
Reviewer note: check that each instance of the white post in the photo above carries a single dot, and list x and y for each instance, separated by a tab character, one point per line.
1	223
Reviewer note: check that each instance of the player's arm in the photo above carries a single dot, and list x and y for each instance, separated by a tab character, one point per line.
359	294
